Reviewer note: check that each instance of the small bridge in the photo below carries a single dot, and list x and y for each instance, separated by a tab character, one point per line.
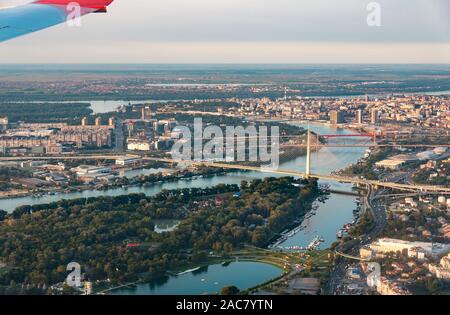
351	257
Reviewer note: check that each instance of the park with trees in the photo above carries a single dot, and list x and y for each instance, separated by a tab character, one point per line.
113	237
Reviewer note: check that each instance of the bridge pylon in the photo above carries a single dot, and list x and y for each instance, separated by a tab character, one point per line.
308	154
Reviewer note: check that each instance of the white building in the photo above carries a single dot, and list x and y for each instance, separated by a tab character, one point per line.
386	287
442	271
414	249
127	160
83	170
390	164
139	146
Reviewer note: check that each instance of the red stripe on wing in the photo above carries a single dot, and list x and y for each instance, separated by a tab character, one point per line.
92	4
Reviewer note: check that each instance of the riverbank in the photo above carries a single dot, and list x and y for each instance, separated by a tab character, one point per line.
14	194
138	181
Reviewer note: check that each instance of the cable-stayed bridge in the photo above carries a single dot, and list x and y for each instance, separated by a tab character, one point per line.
335	178
309	145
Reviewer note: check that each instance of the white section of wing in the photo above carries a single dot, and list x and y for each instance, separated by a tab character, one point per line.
6	4
26	16
29	18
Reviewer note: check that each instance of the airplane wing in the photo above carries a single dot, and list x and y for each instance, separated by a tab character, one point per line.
41	14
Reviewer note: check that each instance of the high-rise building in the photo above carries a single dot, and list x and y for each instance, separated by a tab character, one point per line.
130	128
112	122
84	121
3	123
159	127
87	288
359	116
374	117
145	113
337	117
98	121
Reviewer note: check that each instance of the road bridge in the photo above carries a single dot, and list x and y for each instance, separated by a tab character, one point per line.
335	178
307	174
352	180
367	145
351	257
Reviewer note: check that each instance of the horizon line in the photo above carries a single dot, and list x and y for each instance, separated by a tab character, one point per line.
231	63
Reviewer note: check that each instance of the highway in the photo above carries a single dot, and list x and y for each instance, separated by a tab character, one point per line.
378	211
379	216
342	179
350	256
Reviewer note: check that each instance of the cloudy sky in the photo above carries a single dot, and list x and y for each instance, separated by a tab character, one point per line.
245	31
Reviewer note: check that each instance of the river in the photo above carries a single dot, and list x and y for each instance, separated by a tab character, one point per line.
329	217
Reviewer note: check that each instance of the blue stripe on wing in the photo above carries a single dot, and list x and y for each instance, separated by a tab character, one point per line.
28	18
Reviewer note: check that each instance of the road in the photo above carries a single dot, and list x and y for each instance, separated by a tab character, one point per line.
343	179
373	203
378	210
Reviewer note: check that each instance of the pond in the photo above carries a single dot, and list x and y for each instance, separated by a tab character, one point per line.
165	225
208	280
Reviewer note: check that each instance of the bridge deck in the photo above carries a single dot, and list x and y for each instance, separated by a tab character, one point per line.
351	180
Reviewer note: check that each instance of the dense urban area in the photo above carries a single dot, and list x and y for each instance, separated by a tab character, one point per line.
94	182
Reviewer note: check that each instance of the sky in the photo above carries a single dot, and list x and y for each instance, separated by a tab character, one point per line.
244	31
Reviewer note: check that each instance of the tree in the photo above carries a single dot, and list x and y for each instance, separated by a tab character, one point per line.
3	215
230	290
113	237
244	185
68	290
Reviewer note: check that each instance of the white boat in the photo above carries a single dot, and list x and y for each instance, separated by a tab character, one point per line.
315	243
